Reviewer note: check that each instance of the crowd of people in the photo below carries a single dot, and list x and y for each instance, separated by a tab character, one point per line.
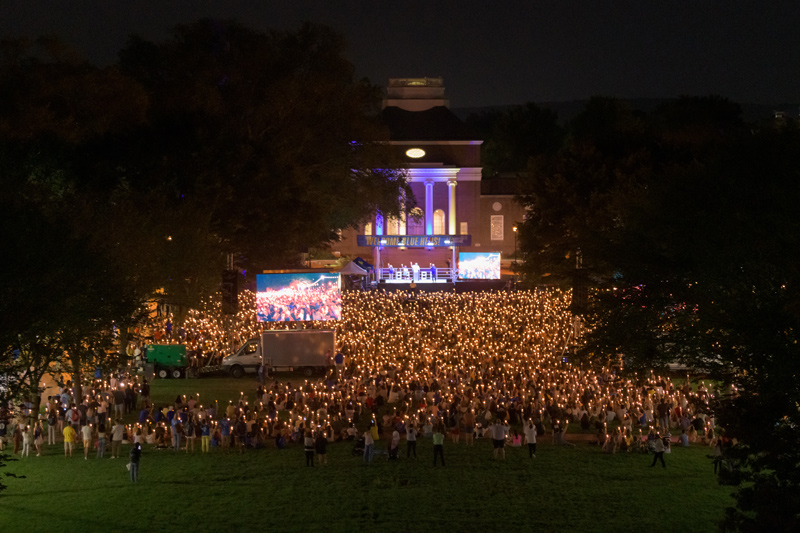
482	365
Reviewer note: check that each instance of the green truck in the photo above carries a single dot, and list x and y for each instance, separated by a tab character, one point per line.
168	360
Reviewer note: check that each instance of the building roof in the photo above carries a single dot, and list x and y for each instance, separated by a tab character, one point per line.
434	124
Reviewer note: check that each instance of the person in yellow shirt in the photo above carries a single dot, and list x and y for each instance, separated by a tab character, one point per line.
69	439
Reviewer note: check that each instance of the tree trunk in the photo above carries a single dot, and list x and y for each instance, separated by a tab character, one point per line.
123	341
77	385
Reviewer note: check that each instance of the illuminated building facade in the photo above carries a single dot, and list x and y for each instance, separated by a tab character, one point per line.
444	172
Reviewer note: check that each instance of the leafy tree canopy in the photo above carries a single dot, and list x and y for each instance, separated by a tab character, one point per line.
270	130
686	222
119	182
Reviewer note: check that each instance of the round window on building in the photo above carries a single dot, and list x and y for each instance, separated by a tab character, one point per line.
497	206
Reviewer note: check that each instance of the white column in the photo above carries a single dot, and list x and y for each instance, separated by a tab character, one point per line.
428	207
451	207
377	258
402	221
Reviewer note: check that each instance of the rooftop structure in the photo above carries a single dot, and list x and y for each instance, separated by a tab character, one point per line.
415	94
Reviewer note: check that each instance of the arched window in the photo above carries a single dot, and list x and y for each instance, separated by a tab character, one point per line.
438	222
416	222
368	228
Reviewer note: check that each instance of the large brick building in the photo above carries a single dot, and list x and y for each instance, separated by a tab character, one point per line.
456	210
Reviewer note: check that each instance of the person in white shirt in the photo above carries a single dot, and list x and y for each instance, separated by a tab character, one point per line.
86	433
530	437
369	446
411	442
658	448
499	433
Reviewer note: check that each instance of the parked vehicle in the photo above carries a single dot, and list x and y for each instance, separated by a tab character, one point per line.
168	360
305	350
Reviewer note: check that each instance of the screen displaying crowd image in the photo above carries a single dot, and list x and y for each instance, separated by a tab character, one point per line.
298	297
479	265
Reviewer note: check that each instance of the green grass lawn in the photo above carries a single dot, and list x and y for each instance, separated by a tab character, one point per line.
563	489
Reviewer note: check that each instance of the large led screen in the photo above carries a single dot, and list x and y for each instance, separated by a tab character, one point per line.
298	297
479	265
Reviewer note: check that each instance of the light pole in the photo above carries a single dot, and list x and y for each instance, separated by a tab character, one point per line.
515	246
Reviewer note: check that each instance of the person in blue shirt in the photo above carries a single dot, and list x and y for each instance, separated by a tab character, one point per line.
225	430
143	414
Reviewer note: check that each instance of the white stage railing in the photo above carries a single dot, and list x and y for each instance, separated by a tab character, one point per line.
422	275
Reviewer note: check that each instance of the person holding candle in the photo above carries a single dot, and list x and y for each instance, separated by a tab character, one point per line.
499	432
308	447
225	433
411	441
101	441
530	438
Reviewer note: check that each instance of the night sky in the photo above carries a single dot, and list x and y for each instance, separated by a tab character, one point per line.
491	52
